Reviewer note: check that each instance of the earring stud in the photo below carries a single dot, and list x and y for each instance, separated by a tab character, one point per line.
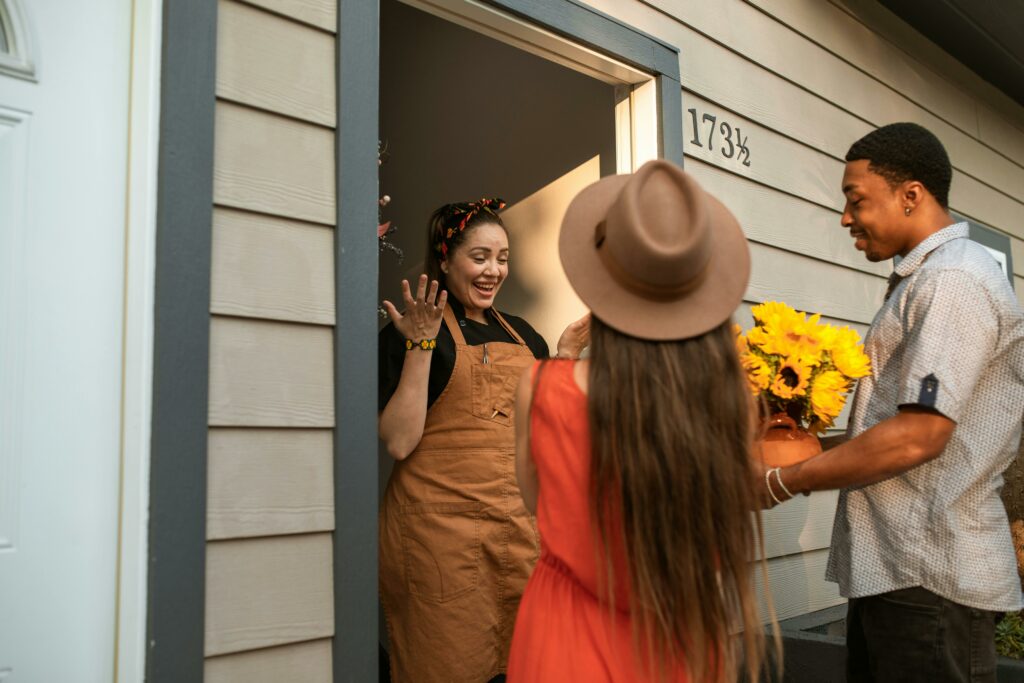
906	211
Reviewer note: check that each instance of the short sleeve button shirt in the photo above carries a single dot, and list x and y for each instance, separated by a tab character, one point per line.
950	336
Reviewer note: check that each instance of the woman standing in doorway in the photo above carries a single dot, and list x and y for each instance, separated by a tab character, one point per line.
456	543
637	459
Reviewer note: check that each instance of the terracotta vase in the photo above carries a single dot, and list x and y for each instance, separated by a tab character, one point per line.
784	443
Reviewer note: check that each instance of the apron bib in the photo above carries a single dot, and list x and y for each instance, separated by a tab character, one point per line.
456	543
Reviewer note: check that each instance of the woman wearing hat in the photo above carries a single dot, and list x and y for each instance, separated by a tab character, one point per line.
636	460
456	543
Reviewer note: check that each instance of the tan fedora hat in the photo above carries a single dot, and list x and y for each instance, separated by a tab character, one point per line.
653	255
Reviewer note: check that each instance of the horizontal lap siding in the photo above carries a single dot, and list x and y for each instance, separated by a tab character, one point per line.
310	661
270	499
268	591
269	481
268	267
802	80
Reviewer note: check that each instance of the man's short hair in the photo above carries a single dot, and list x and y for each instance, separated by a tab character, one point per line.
906	151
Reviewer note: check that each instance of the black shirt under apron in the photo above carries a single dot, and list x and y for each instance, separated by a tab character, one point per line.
391	350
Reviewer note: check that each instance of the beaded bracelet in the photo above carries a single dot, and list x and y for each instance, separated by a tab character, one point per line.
424	344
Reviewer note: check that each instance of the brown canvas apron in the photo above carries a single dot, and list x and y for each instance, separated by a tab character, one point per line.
456	543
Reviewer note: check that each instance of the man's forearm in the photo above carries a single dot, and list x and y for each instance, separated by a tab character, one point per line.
891	447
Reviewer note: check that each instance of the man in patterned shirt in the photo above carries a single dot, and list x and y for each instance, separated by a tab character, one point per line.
921	543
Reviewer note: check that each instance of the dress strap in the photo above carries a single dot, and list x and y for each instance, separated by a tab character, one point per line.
508	328
453	326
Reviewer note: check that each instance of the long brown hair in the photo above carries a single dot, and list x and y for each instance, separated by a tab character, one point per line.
672	484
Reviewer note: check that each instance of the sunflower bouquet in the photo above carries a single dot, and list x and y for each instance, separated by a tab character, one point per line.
800	366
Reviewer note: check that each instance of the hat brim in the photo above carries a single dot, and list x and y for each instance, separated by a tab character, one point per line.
715	299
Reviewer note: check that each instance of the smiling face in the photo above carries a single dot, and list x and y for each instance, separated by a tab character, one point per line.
475	270
874	213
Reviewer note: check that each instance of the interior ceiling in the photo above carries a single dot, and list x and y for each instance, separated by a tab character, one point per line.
985	35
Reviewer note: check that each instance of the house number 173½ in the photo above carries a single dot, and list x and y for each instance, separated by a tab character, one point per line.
729	148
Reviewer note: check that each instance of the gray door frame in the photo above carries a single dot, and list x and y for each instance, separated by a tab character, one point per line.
181	347
177	526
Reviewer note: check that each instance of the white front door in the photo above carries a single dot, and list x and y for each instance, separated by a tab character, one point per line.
63	158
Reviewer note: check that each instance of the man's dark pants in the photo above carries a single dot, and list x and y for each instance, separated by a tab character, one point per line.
914	635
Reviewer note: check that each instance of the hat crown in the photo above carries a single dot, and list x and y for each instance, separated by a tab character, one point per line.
653	255
657	232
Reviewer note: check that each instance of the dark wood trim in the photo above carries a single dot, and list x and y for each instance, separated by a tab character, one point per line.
355	344
181	348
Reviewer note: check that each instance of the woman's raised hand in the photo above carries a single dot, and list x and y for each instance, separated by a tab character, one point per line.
422	317
575	338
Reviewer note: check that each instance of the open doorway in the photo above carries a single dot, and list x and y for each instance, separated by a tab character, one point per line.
464	116
475	104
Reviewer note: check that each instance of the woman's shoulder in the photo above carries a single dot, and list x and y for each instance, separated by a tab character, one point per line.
554	376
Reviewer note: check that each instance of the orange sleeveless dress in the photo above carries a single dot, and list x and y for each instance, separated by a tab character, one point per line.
564	630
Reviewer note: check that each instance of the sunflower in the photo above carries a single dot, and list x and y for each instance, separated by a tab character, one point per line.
848	353
775	315
741	341
759	372
791	379
828	394
799	364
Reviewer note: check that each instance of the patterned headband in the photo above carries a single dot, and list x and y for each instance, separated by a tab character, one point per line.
457	216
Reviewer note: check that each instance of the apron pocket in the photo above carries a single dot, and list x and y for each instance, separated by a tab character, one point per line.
494	391
441	547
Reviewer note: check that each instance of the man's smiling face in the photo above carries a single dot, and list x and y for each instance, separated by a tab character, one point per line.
874	213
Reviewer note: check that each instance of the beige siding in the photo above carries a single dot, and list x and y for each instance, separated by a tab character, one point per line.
300	663
797	586
262	592
277	65
272	164
269	481
803	79
270	493
809	229
266	267
319	13
270	374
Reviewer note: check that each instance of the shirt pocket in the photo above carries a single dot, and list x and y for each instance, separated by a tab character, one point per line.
494	391
441	548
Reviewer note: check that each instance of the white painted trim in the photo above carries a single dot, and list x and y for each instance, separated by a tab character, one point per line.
18	60
644	103
137	387
624	129
14	136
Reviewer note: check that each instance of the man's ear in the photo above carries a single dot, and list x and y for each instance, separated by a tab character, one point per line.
913	194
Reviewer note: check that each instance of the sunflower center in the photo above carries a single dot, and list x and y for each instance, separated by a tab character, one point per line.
789	377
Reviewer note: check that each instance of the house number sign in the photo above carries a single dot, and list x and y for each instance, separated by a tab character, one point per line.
731	144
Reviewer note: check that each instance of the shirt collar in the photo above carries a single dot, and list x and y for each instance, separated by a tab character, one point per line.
918	254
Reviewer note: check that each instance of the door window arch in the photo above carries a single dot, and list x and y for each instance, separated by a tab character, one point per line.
16	57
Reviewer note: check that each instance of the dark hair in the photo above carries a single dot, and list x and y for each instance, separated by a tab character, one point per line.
672	484
906	151
450	216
